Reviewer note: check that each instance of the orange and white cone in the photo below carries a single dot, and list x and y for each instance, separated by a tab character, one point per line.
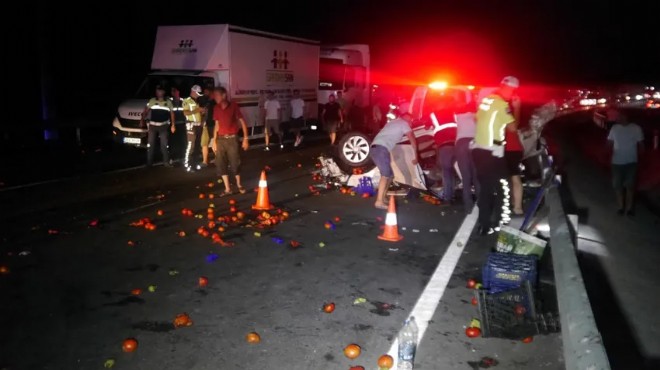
391	231
263	201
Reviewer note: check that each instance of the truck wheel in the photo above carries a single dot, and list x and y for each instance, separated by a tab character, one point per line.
353	151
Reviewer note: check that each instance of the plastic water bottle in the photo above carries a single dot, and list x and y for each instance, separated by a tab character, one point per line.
407	345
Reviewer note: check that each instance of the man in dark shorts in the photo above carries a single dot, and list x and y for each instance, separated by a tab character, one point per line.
297	116
228	116
381	149
626	140
332	118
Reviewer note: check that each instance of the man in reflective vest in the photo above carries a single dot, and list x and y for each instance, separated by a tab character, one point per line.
161	115
193	116
444	136
494	116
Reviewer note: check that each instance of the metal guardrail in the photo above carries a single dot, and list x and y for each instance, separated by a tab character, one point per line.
582	342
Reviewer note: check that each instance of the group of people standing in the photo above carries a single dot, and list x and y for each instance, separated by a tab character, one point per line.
210	117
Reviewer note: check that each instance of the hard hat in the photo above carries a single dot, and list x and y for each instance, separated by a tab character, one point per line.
197	89
511	82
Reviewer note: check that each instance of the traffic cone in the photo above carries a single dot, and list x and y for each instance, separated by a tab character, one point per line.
391	231
263	201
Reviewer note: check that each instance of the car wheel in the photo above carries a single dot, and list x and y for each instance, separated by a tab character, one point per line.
353	151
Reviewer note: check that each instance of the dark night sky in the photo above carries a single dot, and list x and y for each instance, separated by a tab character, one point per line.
105	51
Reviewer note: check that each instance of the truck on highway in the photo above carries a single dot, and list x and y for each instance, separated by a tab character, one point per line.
246	62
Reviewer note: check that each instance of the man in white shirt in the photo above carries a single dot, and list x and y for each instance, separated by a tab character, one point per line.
273	113
626	140
297	116
381	148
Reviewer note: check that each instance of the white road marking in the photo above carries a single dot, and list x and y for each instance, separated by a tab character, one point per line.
435	288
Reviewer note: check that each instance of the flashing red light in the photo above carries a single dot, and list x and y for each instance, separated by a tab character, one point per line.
438	85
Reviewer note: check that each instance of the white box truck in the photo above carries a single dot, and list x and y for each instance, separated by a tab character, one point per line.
247	62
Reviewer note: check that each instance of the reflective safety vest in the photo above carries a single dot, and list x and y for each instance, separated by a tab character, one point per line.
177	105
160	110
493	114
191	104
444	128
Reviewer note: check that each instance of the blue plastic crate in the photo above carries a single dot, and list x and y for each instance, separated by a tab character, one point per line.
504	271
365	186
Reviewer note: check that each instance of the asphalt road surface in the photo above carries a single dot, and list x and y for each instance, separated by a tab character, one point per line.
67	302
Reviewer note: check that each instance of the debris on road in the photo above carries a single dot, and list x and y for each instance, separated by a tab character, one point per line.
182	320
129	345
352	351
109	363
328	307
359	300
152	288
253	338
203	281
173	272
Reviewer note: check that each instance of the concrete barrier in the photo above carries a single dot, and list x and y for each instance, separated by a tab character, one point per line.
582	342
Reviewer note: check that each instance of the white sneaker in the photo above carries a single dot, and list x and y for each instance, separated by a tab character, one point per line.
281	146
267	149
298	141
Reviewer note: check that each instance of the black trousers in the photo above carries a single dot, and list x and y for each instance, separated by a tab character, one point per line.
158	133
193	140
228	156
494	188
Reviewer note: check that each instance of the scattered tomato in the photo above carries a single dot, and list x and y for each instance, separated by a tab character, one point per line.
4	270
211	195
182	233
385	362
93	223
202	196
136	291
366	195
210	184
337	219
471	283
519	310
205	234
232	202
356	368
129	345
182	320
472	332
232	209
474	301
240	215
328	307
253	338
528	340
160	212
131	243
211	225
221	229
295	244
203	281
352	351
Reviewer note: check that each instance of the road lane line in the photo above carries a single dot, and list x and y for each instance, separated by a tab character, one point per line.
430	299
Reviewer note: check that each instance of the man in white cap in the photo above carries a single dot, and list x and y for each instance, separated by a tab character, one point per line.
494	116
193	113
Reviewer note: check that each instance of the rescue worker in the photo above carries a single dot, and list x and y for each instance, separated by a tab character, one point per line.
381	149
494	116
444	137
178	142
193	113
161	115
228	117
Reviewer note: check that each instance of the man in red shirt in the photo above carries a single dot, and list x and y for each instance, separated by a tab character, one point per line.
227	116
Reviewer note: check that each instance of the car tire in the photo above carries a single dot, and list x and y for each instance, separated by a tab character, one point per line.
353	151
